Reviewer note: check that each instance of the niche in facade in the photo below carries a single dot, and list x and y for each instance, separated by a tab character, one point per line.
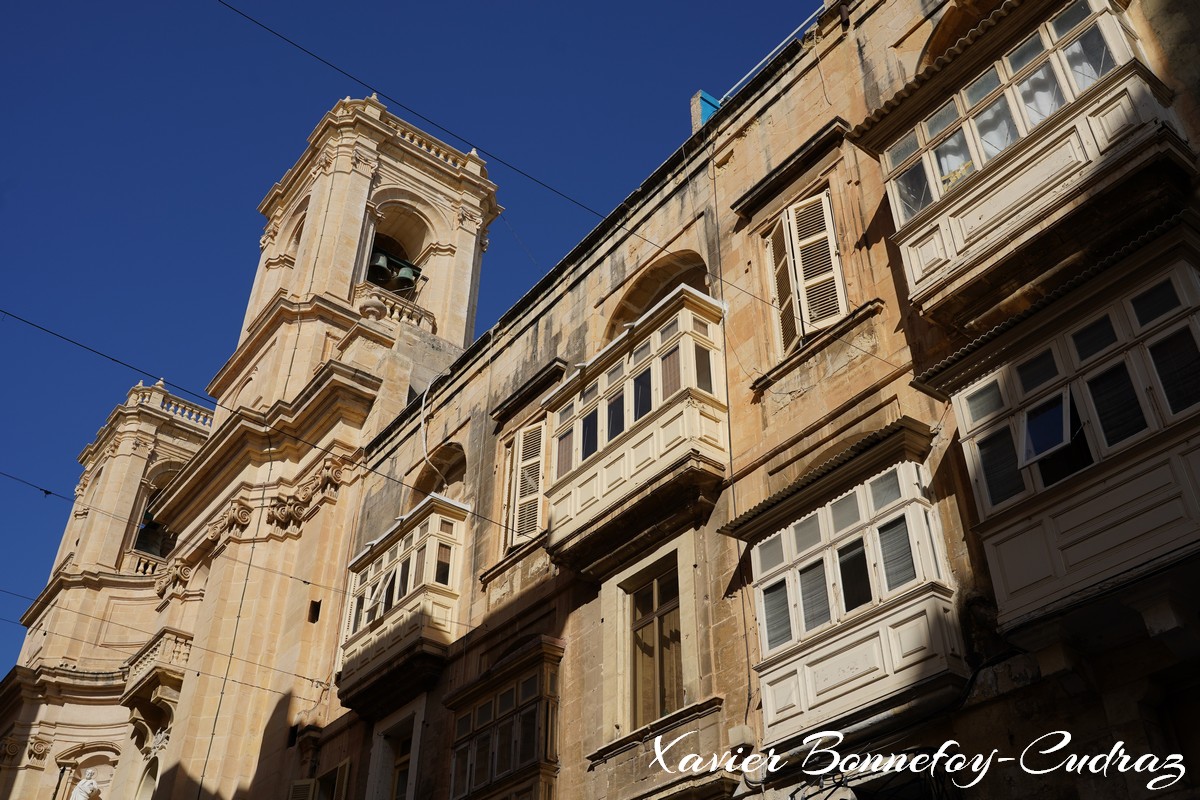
395	248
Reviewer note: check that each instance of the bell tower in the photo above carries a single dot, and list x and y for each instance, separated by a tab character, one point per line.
370	257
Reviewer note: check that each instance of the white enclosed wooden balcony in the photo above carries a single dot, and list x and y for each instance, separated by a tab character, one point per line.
905	646
638	435
993	172
403	612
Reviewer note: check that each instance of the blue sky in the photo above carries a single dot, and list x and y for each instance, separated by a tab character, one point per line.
140	138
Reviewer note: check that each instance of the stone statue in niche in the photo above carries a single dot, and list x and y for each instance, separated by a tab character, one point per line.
86	789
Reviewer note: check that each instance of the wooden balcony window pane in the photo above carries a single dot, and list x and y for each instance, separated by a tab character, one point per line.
885	490
1089	58
770	554
904	148
806	533
1155	302
1037	371
459	771
953	159
505	739
482	760
670	372
855	578
998	459
1178	364
985	402
616	415
402	588
814	595
777	611
845	512
1026	52
704	381
1094	338
982	86
996	128
589	439
1117	405
912	189
1041	94
642	394
527	743
943	118
896	551
442	575
419	568
566	452
1065	22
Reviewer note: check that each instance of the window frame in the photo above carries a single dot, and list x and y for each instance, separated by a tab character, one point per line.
784	228
654	619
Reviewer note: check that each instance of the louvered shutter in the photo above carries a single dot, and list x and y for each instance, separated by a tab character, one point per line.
818	272
785	293
303	790
528	518
342	788
896	549
778	614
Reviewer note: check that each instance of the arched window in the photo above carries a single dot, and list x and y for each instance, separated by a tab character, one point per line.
656	282
443	474
400	237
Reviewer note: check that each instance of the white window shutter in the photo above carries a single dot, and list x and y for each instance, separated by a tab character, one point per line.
528	517
817	267
303	790
779	252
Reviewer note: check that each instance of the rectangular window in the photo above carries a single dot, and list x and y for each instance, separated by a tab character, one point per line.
1117	405
814	595
704	381
589	433
778	614
657	658
998	459
616	415
809	289
642	394
442	573
566	452
855	577
896	551
526	519
1177	362
670	372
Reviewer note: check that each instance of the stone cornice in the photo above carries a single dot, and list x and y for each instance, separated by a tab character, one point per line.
336	400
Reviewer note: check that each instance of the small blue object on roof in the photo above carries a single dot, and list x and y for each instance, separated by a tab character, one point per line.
708	106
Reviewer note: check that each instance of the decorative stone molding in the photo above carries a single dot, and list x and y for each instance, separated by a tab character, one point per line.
234	518
364	161
39	748
10	748
176	574
322	162
286	511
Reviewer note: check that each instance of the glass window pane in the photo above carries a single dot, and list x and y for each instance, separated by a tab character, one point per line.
1045	428
845	512
459	772
1025	53
704	380
985	402
902	149
402	589
566	414
668	588
642	395
527	743
1037	371
778	614
483	759
566	452
419	568
998	459
644	700
589	394
1094	338
504	745
616	415
442	575
770	554
1067	20
614	375
953	159
642	353
1178	363
589	433
643	601
1089	58
941	119
996	127
896	550
668	330
814	597
1040	93
912	189
1070	459
982	86
1116	404
806	534
885	490
670	372
856	582
670	665
1155	302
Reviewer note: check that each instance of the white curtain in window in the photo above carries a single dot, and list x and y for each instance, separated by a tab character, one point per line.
1041	94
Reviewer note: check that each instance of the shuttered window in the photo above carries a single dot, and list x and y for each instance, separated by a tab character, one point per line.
528	517
809	289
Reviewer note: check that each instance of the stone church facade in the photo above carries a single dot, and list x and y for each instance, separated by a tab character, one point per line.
872	410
